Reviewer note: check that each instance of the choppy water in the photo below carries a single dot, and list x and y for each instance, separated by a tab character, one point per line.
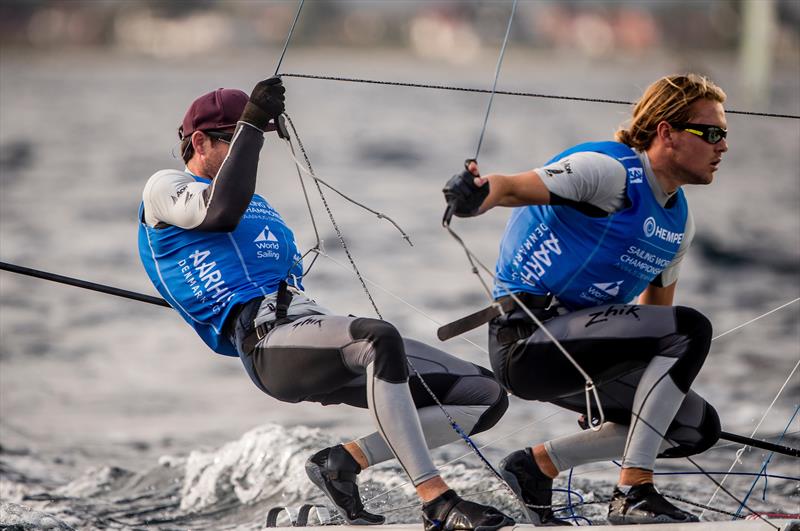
114	415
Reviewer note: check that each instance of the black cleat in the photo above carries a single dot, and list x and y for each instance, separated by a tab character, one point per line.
523	475
449	512
334	471
644	505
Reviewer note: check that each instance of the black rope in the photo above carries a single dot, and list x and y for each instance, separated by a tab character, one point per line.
507	93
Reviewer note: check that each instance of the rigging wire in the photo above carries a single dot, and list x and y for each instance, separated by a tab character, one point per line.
319	251
461	457
339	234
764	416
317	179
506	93
496	78
289	36
318	247
590	389
453	424
692	461
764	466
402	300
782	306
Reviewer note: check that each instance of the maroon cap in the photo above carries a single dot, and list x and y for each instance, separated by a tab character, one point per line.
219	109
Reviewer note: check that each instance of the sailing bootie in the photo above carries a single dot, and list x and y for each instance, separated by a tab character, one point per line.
334	471
523	475
449	512
644	505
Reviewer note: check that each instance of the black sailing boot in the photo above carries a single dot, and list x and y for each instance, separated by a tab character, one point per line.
644	505
449	512
334	471
523	475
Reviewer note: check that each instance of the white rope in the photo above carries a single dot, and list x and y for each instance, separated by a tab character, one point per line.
394	295
590	389
756	319
380	215
741	450
307	167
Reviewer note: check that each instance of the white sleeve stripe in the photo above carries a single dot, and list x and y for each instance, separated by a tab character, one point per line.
236	134
244	265
174	302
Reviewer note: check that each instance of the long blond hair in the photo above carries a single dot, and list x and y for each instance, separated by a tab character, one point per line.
668	99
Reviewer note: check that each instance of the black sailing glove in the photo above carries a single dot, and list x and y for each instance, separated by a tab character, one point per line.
462	195
267	102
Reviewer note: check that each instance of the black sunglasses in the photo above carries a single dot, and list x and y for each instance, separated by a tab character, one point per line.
710	133
219	135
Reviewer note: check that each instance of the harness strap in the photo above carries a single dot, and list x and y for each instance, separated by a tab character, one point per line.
282	302
498	307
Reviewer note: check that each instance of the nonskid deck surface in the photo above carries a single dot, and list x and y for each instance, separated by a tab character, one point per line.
738	525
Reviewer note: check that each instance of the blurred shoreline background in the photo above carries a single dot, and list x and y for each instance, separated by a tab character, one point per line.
762	33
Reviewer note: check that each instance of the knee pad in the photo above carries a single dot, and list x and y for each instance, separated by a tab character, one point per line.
697	328
390	355
693	440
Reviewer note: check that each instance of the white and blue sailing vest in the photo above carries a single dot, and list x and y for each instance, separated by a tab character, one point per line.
203	275
588	261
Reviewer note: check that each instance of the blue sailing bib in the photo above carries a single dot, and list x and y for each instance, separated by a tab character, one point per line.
203	275
587	261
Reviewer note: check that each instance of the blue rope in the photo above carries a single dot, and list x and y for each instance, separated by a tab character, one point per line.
569	494
764	466
570	507
695	473
690	473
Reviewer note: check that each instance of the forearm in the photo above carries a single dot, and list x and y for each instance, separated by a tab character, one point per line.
233	187
515	190
658	296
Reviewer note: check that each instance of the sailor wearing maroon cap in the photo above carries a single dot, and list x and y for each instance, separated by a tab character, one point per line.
224	258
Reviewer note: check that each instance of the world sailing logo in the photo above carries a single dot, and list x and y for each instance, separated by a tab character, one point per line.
267	244
601	292
265	236
611	288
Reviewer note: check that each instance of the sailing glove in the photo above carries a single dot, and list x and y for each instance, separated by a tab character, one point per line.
462	195
267	102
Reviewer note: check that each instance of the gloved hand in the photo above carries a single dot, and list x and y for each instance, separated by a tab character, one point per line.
462	195
266	103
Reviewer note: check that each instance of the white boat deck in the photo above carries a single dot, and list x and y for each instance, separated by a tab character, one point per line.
739	525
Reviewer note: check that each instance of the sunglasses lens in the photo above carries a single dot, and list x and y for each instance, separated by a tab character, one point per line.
714	135
219	135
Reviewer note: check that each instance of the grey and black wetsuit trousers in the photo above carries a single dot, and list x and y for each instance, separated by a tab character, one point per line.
643	360
364	363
